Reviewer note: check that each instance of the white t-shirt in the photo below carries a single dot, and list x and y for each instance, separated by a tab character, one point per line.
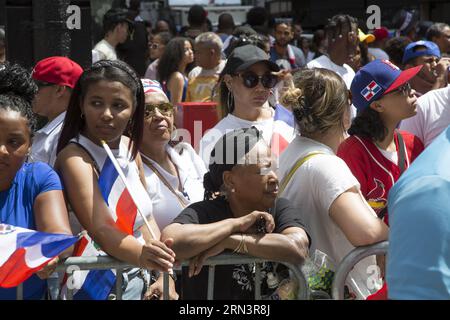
45	141
390	155
313	189
166	206
379	53
433	115
345	71
227	124
105	51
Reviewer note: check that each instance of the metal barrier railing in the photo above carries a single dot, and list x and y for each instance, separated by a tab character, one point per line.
106	262
347	264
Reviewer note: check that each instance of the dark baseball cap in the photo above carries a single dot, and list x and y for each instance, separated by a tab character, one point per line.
244	57
118	15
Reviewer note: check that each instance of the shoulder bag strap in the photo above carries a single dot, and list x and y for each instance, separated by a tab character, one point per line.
298	164
401	152
166	183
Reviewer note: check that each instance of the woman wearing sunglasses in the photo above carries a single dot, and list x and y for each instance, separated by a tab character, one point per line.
246	84
156	46
377	153
174	176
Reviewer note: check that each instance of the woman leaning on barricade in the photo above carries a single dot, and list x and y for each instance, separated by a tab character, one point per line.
174	175
240	213
108	103
31	194
320	183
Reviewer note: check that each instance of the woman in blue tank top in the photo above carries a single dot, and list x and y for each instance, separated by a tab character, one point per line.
173	67
30	193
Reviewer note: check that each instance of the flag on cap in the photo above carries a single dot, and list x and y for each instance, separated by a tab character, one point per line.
372	89
24	251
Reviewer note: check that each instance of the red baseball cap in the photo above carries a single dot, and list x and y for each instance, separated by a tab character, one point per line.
381	33
58	70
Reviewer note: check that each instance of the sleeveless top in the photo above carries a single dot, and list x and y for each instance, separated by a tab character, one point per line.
131	172
183	96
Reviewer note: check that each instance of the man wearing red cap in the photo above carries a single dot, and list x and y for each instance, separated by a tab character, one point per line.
377	47
55	78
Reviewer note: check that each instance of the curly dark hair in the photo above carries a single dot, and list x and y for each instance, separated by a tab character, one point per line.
395	48
368	124
171	58
16	80
19	104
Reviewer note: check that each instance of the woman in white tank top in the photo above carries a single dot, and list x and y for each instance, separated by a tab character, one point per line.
107	104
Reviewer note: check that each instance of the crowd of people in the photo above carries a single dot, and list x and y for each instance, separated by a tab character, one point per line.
321	145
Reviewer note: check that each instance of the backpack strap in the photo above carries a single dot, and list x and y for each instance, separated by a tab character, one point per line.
297	164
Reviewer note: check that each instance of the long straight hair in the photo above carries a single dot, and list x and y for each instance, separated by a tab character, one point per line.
109	71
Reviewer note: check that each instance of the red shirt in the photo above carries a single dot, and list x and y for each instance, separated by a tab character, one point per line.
373	170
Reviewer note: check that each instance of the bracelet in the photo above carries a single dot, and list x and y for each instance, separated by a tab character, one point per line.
242	247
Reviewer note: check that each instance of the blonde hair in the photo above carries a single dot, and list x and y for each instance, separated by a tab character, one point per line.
318	100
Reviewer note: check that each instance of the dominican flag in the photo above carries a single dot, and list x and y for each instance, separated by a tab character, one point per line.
370	91
283	129
24	251
97	284
151	86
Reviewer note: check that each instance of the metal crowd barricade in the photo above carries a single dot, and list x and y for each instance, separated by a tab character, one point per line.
74	264
347	264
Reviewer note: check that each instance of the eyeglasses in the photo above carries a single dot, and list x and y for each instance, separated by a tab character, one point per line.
154	46
251	79
404	89
166	109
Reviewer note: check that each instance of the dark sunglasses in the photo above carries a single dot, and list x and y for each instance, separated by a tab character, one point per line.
405	89
166	109
251	79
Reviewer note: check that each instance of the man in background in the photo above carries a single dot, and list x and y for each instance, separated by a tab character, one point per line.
439	33
117	27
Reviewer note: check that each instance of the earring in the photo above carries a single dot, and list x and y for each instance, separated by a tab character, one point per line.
233	190
82	116
340	36
230	101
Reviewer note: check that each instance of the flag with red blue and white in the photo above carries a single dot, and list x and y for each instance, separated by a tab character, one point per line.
370	90
283	129
97	284
24	251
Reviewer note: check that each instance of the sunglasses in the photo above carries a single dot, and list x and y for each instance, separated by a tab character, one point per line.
405	89
166	109
251	79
